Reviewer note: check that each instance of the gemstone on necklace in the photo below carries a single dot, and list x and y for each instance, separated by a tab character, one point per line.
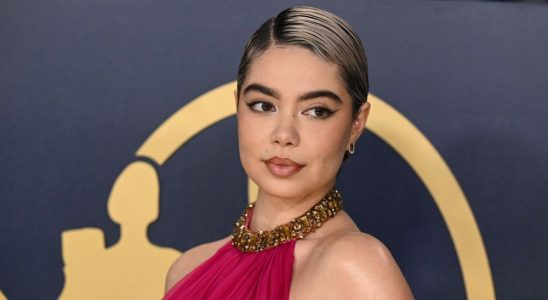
246	240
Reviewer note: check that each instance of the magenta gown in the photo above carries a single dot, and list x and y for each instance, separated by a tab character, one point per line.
230	274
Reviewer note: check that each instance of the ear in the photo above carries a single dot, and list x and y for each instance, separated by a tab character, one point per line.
358	124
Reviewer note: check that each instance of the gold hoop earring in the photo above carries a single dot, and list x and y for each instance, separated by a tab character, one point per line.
351	148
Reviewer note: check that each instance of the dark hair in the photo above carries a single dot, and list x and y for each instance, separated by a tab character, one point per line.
323	33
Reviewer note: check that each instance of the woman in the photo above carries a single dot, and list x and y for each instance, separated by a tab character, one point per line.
301	106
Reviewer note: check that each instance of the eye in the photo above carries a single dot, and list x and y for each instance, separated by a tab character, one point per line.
319	112
261	106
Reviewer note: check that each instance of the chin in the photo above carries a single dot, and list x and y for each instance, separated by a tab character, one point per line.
288	191
284	188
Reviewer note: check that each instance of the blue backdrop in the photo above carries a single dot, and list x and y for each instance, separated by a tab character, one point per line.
84	83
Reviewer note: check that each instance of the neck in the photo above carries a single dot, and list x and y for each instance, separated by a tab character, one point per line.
271	210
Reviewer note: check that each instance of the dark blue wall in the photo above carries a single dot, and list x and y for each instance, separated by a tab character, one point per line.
84	83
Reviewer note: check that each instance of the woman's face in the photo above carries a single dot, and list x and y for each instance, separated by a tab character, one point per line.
295	122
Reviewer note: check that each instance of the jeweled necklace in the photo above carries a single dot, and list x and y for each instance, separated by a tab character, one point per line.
247	240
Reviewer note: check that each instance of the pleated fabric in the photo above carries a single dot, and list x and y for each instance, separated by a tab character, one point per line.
230	274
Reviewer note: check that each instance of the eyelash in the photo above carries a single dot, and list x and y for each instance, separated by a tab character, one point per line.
252	105
326	111
257	106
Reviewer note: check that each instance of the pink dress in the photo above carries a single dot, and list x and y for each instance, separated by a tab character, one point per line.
230	274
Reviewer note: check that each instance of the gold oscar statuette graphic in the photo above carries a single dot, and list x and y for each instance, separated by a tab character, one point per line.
135	269
131	269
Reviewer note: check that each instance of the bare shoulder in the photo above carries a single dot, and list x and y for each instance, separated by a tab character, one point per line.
363	267
190	259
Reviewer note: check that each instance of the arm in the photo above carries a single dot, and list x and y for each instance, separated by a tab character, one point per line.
363	268
177	270
191	259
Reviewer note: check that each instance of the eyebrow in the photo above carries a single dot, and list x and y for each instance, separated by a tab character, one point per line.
262	89
321	93
307	96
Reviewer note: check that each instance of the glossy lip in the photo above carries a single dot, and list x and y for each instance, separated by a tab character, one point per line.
282	167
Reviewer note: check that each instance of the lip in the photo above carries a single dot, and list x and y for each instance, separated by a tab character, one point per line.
282	167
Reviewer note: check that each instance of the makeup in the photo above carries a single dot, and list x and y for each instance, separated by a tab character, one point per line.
282	167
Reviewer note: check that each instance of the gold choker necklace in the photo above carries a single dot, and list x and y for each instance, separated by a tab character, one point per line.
247	240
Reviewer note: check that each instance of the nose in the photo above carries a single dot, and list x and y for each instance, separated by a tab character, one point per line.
285	133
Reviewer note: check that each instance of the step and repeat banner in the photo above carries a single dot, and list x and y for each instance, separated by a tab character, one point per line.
118	142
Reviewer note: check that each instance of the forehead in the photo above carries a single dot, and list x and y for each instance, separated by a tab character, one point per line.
295	70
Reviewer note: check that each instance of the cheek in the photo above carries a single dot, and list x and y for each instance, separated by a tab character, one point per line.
243	137
330	143
249	134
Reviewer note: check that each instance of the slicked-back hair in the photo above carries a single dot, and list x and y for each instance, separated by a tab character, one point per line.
325	34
